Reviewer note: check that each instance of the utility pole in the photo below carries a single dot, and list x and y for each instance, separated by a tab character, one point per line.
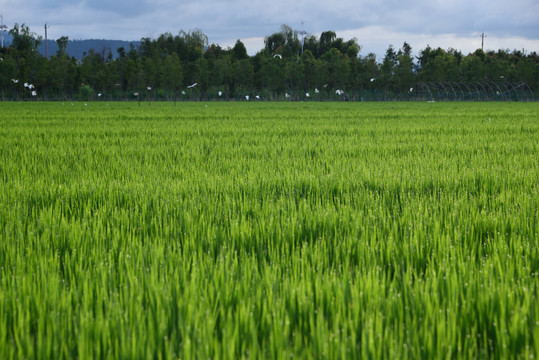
46	47
302	33
3	27
483	36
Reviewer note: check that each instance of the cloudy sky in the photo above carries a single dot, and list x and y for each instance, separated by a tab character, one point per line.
444	23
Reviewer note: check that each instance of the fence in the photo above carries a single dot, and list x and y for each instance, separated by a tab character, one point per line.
422	91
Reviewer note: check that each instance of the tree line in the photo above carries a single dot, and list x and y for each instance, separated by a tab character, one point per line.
186	67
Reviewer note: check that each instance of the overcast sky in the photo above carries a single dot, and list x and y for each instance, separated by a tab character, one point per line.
439	23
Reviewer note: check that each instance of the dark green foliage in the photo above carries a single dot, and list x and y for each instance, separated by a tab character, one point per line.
287	64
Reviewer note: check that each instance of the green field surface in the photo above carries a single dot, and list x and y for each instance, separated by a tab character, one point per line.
269	230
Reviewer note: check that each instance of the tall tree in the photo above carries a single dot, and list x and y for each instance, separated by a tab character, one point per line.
404	71
388	68
326	42
338	68
62	45
171	73
23	40
239	52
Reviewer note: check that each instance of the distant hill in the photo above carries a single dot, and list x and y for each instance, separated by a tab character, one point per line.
78	48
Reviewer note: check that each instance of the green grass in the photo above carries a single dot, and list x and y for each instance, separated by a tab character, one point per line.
269	230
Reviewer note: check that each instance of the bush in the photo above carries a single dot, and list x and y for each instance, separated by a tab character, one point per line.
85	93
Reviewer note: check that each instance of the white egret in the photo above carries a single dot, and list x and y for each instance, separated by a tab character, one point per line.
246	97
136	94
316	91
277	56
34	93
372	79
26	85
99	95
15	81
192	86
30	86
286	95
183	92
411	89
149	88
220	93
307	94
257	97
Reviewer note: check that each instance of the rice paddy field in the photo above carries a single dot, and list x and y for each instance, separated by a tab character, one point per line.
269	230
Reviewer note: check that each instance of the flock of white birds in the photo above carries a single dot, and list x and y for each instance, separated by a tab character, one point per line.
28	86
219	93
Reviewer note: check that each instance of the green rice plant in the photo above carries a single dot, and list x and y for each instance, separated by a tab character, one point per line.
269	230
